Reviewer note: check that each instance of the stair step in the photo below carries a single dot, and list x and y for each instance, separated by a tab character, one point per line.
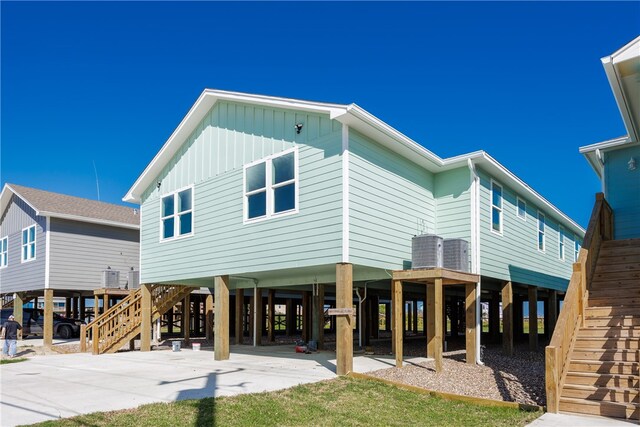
608	283
621	301
612	311
616	275
612	321
602	380
610	332
627	411
606	394
604	354
621	243
604	266
608	343
612	259
604	367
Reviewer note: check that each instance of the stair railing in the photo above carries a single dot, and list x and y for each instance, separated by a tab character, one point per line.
575	302
119	321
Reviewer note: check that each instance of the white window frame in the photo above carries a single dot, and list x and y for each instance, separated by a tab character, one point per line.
518	200
176	215
34	243
271	187
543	231
500	208
4	255
561	244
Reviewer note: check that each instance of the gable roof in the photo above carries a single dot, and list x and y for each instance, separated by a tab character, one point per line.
623	72
56	205
351	115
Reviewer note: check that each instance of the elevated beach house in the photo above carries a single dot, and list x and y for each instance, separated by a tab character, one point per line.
55	245
254	194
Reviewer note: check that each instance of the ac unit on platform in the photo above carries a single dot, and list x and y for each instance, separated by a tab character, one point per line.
426	251
456	254
110	278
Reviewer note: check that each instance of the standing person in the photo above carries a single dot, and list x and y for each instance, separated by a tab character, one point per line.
10	332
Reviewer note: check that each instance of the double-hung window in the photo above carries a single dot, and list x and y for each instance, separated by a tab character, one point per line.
561	243
4	252
541	231
29	243
271	186
521	209
496	208
177	215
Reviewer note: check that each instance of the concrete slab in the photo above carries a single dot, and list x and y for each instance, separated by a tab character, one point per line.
60	386
566	420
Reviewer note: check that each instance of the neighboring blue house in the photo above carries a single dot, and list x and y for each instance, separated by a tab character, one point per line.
57	245
617	161
255	192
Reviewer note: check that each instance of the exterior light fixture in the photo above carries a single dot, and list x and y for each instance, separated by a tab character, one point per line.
632	164
298	127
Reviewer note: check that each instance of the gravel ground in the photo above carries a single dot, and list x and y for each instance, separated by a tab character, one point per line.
519	378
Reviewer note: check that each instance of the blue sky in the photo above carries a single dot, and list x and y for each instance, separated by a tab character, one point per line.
107	83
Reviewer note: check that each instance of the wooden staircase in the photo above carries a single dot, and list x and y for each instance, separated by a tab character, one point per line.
603	373
110	331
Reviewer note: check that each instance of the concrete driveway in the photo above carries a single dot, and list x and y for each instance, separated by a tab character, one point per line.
61	386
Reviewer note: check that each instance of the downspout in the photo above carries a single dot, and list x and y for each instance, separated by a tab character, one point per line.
474	183
600	158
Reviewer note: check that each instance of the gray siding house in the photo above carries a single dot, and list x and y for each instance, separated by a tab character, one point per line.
54	244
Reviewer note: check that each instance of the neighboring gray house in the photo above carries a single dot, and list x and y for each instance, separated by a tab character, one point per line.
57	244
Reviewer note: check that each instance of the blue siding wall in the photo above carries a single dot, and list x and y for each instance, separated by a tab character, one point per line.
19	276
212	159
514	255
623	191
390	201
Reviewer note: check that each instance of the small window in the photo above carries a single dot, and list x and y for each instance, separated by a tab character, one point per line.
576	249
541	231
561	243
177	214
4	252
29	243
496	208
271	186
521	209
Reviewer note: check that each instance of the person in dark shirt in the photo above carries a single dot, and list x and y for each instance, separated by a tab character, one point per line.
10	332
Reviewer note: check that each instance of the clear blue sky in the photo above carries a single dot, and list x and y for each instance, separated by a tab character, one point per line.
109	82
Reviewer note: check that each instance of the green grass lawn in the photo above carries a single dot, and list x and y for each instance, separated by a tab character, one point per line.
343	401
14	360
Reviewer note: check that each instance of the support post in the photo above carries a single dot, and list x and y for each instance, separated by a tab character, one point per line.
533	318
507	318
375	316
344	333
96	305
145	323
48	318
105	302
398	326
272	315
305	316
18	312
259	316
431	321
239	316
74	306
208	316
470	320
221	325
494	317
552	312
67	308
83	307
186	320
290	317
439	318
317	332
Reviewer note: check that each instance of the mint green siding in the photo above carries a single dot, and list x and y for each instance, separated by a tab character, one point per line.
390	201
453	203
514	255
212	160
623	191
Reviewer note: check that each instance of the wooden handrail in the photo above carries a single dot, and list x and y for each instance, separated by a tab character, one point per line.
573	310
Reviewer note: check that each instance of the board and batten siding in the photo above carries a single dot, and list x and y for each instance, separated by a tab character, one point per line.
79	252
21	276
390	201
514	254
453	204
212	160
622	188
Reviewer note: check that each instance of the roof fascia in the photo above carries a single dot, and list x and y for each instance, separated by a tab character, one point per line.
5	198
619	95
